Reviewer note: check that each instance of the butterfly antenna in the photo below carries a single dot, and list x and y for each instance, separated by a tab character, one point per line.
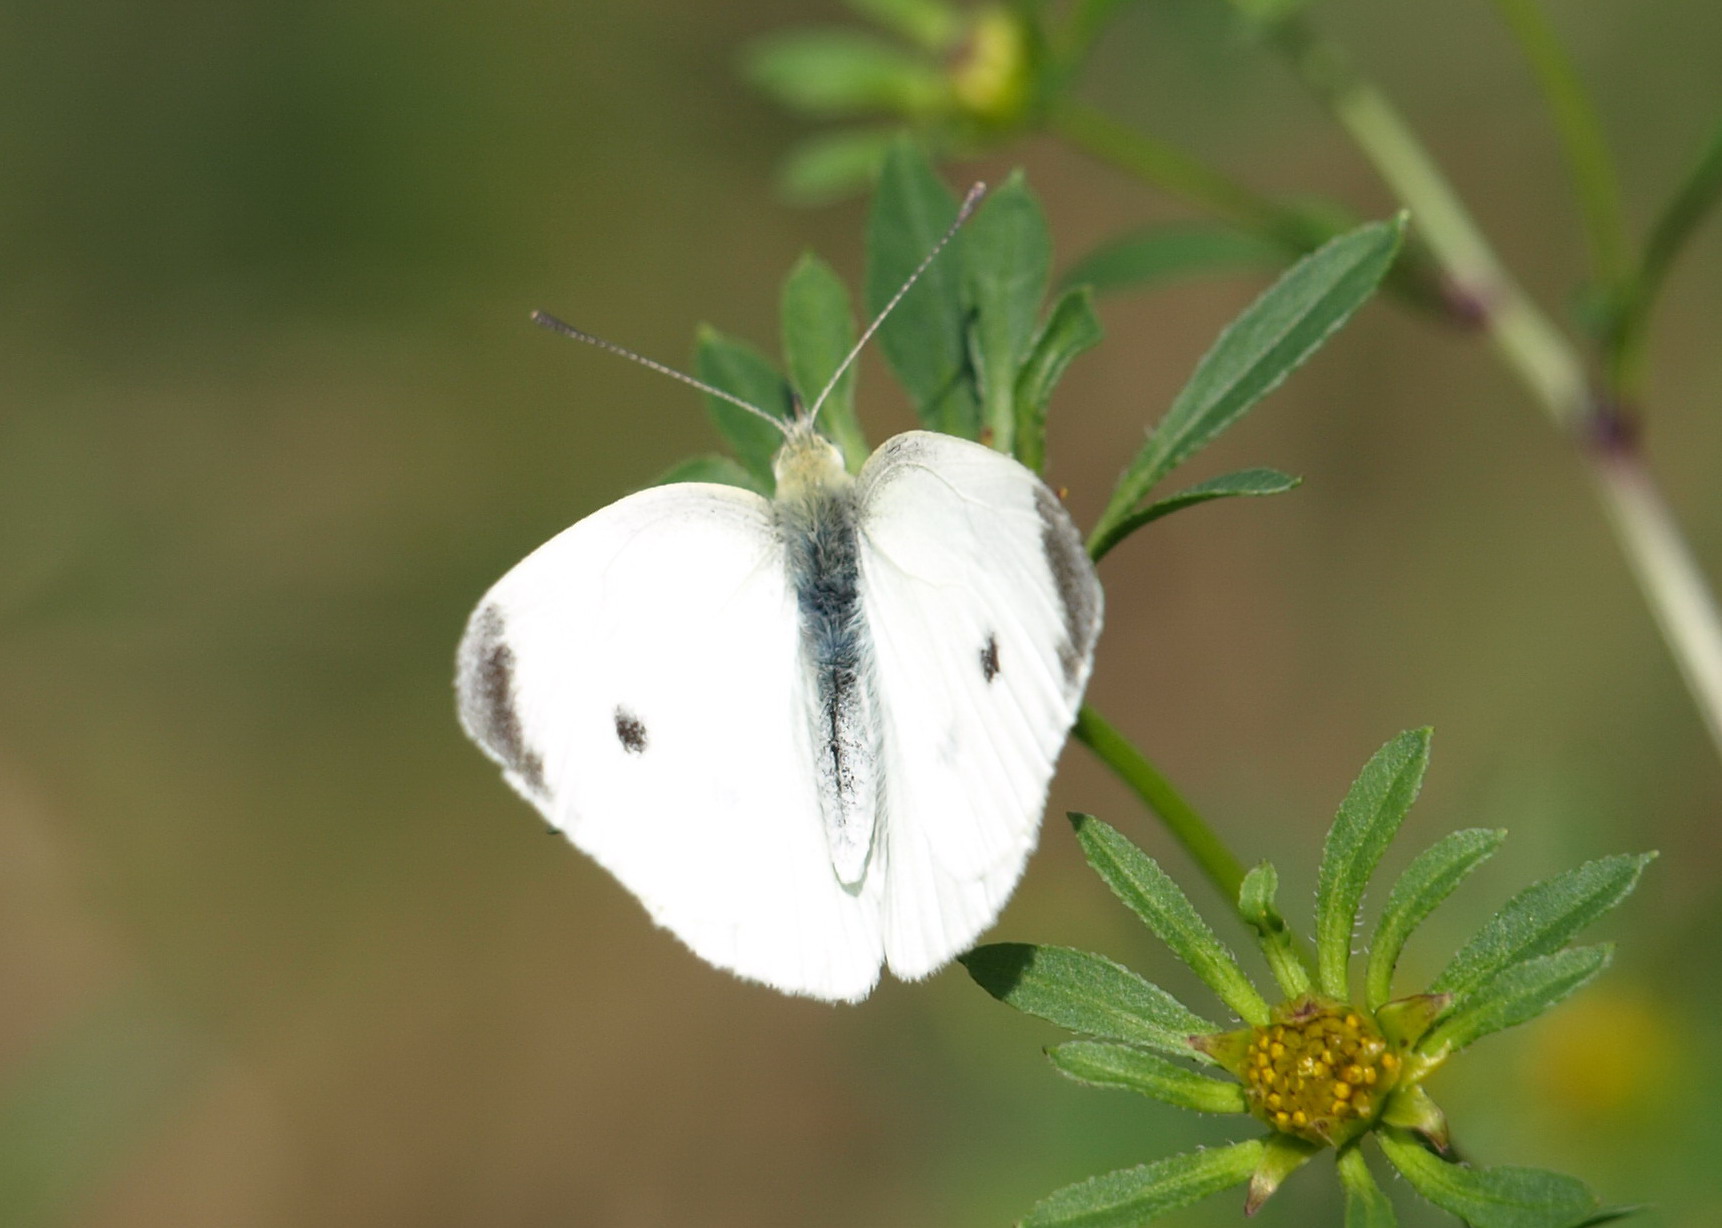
545	320
968	207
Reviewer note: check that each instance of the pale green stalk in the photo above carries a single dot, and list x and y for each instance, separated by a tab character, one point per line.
1544	360
1680	596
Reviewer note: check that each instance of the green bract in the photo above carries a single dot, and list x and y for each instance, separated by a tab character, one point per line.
1326	1066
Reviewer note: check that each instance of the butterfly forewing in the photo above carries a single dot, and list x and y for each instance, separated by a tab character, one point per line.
638	679
982	610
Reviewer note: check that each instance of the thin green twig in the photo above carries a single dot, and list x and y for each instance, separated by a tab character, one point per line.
1184	176
1696	197
1581	136
1187	178
1219	865
1678	221
1205	848
1680	597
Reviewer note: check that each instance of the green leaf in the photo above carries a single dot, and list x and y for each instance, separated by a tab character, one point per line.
1228	485
743	371
818	333
1152	895
1086	993
1071	327
928	23
1517	995
925	339
719	469
843	72
1366	823
1427	881
1257	907
1139	1195
1107	1064
1154	255
1366	1204
1542	919
1491	1197
833	165
1008	254
1273	336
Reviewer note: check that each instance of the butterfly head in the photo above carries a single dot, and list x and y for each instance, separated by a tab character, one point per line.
808	465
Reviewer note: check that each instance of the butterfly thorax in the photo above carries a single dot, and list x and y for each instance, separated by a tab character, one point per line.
818	513
808	466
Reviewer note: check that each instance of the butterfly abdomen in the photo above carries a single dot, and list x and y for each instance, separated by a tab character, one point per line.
822	553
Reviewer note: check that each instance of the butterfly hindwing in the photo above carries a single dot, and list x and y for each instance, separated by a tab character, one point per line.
638	679
983	610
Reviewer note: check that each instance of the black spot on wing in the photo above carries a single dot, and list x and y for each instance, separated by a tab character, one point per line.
990	658
1073	576
485	683
630	732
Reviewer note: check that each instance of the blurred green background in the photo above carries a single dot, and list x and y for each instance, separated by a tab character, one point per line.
277	947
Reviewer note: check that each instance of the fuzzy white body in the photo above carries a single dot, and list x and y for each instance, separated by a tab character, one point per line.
813	734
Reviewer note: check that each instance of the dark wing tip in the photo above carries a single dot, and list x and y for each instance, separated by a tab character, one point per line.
1079	592
484	685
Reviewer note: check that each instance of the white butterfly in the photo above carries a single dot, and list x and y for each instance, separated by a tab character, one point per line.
813	733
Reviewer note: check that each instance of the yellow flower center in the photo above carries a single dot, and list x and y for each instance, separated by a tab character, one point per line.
1319	1072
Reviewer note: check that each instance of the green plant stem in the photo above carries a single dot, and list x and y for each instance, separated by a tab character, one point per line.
1184	176
1209	852
1680	597
1544	360
1581	137
1680	218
